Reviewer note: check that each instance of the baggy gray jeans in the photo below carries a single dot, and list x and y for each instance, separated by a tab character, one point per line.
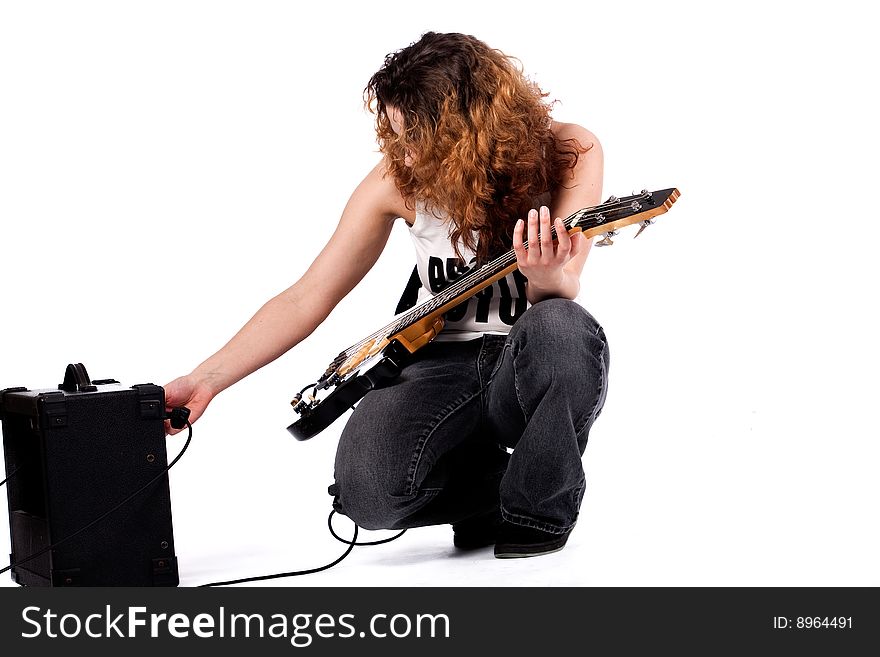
429	447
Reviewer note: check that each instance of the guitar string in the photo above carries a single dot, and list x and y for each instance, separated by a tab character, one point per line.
463	284
475	276
449	293
425	308
468	281
442	298
581	217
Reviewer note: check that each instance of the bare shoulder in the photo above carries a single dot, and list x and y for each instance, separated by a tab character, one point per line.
378	191
590	165
582	187
564	131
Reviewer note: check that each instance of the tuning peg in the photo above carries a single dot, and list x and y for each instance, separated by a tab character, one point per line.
612	199
606	238
644	224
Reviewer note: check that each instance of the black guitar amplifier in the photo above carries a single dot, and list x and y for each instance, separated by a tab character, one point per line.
72	454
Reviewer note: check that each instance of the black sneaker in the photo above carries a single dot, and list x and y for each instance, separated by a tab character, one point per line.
477	532
516	541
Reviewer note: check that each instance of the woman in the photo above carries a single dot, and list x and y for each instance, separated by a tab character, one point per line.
486	428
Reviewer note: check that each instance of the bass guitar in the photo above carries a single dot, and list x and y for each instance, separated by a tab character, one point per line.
381	356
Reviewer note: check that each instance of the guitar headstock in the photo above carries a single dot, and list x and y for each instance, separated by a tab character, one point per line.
609	217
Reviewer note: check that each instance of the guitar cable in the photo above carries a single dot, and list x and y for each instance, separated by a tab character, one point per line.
351	545
179	418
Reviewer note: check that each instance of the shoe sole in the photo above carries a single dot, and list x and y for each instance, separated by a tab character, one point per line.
520	555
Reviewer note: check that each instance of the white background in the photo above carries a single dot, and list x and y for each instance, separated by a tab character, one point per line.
166	167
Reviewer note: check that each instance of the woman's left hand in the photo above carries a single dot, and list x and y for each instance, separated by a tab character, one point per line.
543	262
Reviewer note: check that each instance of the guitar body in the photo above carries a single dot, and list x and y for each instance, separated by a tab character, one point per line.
351	390
386	367
380	357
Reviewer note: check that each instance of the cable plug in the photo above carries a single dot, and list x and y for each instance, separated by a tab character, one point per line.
178	416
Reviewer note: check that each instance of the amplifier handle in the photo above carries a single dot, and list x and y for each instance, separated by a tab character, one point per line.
76	379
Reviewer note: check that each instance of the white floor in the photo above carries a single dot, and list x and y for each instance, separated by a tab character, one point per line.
423	557
763	499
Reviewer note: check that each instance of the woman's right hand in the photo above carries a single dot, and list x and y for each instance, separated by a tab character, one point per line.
190	392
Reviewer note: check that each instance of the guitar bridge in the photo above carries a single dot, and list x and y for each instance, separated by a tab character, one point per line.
299	404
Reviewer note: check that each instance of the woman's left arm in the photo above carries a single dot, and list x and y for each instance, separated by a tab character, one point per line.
554	270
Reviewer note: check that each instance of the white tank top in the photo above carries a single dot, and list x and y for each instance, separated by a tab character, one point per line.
492	310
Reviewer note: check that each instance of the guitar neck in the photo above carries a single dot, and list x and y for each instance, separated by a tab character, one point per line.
464	288
609	216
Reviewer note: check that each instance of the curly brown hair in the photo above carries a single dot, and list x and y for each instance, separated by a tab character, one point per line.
476	142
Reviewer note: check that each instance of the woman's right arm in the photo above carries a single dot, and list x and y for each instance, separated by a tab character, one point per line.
288	318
